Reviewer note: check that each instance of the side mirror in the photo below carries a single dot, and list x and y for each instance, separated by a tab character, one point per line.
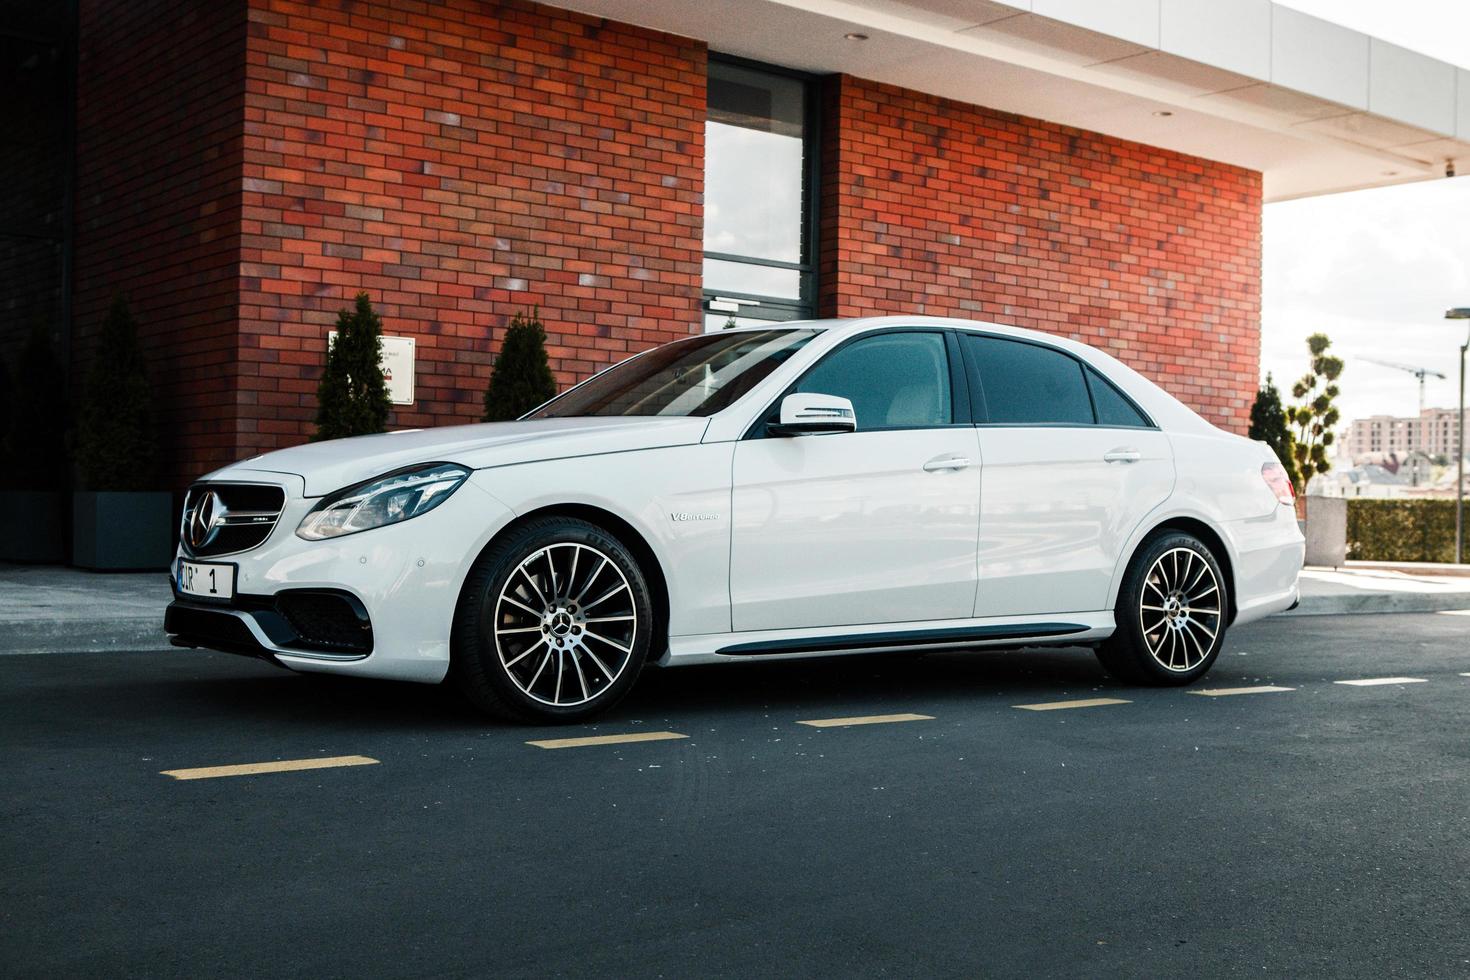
808	413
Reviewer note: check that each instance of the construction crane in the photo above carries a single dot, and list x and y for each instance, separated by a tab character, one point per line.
1419	372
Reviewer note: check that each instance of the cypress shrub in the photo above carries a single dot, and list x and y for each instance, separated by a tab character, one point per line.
36	441
352	398
117	447
521	378
1269	424
1421	529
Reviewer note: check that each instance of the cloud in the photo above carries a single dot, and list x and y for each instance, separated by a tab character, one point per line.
1374	270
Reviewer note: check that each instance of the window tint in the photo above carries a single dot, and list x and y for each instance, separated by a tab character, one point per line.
894	380
1024	384
1112	407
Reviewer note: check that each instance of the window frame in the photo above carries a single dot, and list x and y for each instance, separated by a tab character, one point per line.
960	399
780	309
980	410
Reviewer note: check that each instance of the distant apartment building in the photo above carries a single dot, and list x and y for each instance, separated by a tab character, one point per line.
1436	431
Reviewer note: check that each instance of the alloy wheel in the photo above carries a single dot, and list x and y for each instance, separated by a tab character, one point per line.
564	624
1179	609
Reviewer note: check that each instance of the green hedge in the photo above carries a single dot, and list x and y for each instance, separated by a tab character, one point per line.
1401	530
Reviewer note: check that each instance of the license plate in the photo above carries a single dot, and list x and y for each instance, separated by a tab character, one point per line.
206	580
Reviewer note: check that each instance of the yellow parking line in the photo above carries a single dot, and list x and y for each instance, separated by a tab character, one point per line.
1225	692
863	720
255	768
576	743
1375	681
1058	705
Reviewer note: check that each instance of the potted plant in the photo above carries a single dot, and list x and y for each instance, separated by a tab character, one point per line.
521	378
33	465
120	519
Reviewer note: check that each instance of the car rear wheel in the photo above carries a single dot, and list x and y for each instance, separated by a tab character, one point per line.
1170	615
553	624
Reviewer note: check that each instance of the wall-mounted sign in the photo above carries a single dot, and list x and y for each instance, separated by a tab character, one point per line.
397	364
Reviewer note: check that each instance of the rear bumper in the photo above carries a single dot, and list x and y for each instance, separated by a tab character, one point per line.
1269	554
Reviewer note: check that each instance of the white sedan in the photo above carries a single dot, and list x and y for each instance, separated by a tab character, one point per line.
815	488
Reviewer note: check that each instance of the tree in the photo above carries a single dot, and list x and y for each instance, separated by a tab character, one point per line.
117	447
352	398
1315	415
521	378
1269	424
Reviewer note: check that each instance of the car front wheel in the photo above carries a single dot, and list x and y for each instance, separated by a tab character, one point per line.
553	624
1171	614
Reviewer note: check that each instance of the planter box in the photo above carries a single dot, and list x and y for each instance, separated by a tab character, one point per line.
114	531
1326	531
31	526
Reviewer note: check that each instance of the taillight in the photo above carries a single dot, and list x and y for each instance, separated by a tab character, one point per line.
1275	476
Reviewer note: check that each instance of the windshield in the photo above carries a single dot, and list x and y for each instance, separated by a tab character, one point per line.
698	376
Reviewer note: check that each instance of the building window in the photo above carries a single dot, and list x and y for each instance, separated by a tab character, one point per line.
759	190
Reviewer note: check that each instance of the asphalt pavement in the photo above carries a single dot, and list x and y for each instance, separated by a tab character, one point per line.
1320	830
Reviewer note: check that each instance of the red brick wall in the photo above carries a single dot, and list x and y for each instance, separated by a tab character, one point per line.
160	97
460	162
933	206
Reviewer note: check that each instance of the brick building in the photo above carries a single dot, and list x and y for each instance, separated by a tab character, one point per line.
643	169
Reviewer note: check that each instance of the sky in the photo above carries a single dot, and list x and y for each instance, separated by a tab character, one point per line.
1376	269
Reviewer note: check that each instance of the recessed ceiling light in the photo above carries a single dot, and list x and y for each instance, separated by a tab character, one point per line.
855	36
1163	112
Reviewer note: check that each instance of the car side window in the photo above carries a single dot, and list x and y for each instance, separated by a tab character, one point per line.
1112	407
894	380
1027	384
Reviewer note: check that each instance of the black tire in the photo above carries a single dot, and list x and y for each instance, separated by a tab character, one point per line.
1171	614
564	567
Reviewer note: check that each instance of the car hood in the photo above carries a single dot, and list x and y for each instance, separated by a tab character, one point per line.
337	463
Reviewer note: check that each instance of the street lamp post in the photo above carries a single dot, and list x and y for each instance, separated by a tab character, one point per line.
1460	313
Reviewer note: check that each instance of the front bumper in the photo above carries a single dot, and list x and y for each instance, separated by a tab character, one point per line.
404	579
330	625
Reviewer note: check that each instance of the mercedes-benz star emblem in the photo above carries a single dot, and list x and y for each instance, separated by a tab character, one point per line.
205	520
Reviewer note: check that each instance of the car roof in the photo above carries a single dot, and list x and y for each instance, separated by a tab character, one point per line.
851	325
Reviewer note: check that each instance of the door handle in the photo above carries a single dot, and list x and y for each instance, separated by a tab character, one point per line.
1122	456
946	463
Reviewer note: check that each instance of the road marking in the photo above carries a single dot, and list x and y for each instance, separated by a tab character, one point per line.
1058	705
1375	681
1465	675
863	720
1454	612
255	768
576	743
1225	692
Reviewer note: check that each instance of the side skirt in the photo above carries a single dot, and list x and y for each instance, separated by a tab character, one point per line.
903	638
1076	628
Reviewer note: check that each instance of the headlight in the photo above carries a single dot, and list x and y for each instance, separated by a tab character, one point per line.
386	500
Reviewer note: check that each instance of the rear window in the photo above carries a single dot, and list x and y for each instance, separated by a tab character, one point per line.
1026	384
1112	407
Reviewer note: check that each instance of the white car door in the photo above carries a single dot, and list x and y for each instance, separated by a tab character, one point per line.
872	526
1071	469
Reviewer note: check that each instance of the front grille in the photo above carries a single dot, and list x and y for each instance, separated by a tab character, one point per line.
226	518
330	621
